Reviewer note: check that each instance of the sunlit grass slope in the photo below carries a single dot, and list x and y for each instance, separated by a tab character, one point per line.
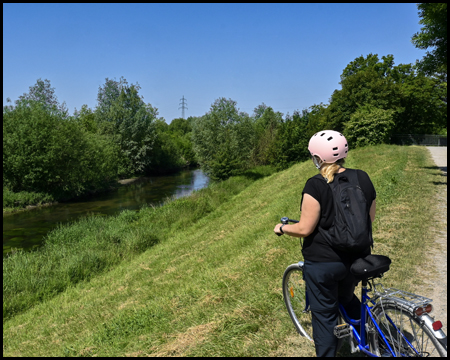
213	288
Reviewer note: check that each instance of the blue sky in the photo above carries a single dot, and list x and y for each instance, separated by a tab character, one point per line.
289	56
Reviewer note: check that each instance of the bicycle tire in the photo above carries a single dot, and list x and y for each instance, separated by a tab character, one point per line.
423	342
294	294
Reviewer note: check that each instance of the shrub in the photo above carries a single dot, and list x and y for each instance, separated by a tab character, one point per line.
369	126
43	152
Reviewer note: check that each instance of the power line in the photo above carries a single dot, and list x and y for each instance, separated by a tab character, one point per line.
182	106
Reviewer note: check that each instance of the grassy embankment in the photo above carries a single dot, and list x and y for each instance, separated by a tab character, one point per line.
208	285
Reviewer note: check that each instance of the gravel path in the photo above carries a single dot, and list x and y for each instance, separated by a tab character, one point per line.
437	283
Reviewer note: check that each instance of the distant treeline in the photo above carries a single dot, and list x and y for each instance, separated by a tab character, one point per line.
46	150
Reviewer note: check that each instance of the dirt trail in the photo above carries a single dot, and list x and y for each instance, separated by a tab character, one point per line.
437	255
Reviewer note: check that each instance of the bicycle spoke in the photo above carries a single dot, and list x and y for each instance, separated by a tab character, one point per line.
403	333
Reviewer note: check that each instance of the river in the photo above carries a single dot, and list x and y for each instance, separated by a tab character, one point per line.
27	229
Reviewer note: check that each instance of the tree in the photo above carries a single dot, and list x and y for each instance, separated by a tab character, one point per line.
44	93
293	137
223	139
180	126
134	129
86	118
432	35
266	128
122	114
418	101
43	152
109	92
259	111
369	126
180	131
367	85
166	156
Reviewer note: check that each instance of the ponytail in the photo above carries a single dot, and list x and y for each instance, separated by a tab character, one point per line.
329	170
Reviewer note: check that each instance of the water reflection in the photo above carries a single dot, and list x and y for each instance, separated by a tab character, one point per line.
27	229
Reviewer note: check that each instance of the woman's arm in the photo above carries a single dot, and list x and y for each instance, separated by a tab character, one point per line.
373	209
308	221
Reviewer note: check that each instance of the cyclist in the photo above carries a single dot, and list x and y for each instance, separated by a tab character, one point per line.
326	268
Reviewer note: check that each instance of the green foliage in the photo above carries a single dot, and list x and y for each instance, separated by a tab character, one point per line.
292	142
43	93
86	118
122	114
181	134
433	34
266	128
424	100
24	198
419	102
223	139
166	154
43	152
364	81
369	126
134	126
180	126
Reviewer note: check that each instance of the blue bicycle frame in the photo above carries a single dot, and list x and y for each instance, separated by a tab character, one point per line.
365	310
361	338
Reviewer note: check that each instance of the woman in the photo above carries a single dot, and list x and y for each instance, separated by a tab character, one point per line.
326	268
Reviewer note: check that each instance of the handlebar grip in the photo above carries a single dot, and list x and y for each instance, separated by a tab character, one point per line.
285	220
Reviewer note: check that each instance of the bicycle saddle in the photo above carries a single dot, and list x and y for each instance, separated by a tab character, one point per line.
370	266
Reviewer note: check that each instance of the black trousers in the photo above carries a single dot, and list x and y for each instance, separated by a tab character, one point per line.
329	283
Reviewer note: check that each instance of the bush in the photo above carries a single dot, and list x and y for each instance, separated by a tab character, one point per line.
23	198
369	126
223	140
45	153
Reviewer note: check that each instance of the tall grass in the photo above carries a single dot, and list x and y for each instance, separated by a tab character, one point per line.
212	286
15	201
82	250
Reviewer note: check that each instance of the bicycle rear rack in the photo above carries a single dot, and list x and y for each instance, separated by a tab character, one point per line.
392	295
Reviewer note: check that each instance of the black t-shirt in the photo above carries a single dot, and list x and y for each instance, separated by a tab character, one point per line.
315	247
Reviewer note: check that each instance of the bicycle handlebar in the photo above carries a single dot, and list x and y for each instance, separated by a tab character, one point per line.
285	220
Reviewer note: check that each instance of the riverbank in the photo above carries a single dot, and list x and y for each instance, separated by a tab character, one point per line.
92	245
211	284
41	203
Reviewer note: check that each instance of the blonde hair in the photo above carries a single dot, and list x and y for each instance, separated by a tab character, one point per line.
329	170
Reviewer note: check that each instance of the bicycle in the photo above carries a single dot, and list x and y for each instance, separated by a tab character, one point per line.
394	322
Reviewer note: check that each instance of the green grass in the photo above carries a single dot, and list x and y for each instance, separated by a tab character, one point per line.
95	244
211	284
17	201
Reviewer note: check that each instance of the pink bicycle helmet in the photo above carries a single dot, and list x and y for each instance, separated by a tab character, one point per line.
329	146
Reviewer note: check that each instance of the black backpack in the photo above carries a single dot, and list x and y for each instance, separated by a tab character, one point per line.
352	227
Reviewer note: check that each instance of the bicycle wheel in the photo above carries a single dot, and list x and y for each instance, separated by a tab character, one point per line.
294	293
404	333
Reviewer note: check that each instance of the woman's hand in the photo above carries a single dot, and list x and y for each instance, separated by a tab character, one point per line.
276	230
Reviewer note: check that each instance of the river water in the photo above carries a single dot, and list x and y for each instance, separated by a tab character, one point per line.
27	229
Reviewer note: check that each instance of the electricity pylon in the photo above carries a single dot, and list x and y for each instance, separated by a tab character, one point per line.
182	106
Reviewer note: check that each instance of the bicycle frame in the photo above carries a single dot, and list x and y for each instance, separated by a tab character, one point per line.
365	310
